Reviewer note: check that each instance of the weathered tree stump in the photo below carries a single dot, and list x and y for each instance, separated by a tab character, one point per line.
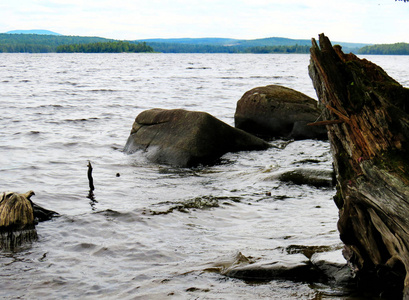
368	128
17	224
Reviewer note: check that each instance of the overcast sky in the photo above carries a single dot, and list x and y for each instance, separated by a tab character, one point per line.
367	21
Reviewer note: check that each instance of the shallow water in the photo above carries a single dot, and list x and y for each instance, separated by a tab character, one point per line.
152	230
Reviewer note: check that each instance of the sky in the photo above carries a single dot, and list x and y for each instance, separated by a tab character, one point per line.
357	21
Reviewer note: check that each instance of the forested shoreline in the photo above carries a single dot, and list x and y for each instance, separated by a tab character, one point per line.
388	49
37	43
105	47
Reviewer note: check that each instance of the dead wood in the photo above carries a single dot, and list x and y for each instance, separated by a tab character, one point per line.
368	127
16	219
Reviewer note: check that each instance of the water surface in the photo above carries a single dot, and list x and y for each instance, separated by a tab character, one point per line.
152	230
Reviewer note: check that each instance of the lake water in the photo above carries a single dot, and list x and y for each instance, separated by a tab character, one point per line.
154	231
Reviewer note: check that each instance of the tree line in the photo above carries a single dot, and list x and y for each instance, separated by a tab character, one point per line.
37	43
279	49
34	43
105	47
203	48
391	49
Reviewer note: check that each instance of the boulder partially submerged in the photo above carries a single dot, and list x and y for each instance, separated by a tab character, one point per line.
187	138
276	111
367	117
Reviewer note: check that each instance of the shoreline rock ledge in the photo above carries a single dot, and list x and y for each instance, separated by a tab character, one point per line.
187	138
366	113
275	111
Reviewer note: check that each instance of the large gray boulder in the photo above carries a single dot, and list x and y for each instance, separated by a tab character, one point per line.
276	111
187	138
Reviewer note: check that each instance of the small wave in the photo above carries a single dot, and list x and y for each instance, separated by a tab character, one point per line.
198	68
70	144
127	217
51	105
103	90
68	82
80	120
232	77
84	247
267	77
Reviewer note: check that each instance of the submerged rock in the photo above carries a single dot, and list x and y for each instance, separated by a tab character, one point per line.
276	111
333	265
309	176
267	271
309	264
187	138
224	266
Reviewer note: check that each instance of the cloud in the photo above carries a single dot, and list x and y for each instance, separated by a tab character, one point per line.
354	21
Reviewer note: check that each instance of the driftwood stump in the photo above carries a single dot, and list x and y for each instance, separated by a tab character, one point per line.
366	115
17	223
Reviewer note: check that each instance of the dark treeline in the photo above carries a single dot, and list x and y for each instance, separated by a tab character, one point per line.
392	49
192	48
279	49
202	48
105	47
37	43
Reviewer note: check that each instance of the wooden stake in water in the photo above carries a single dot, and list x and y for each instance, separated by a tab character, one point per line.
90	179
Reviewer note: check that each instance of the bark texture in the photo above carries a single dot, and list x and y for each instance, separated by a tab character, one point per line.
16	219
366	115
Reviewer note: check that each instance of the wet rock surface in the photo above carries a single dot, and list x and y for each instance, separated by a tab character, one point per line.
310	264
309	176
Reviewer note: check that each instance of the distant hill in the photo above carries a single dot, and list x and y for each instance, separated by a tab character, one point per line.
238	45
33	31
47	41
41	43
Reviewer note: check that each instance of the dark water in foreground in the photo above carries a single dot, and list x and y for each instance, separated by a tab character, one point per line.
155	231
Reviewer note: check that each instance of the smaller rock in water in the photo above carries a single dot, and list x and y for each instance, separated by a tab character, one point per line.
309	176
